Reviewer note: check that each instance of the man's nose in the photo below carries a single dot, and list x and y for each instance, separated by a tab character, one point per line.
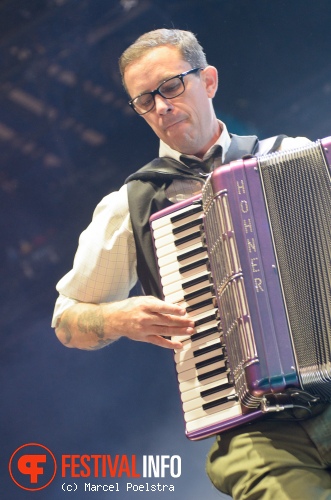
162	105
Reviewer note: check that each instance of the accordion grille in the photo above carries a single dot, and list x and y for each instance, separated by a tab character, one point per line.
297	189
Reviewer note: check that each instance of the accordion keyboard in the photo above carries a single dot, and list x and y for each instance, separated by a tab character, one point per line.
207	394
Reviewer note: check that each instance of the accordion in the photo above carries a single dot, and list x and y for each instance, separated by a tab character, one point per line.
250	260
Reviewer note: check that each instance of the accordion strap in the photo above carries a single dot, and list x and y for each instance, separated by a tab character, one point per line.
270	145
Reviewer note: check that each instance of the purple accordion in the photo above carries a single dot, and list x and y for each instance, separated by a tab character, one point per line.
250	260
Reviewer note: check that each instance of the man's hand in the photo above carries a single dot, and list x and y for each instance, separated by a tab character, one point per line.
145	319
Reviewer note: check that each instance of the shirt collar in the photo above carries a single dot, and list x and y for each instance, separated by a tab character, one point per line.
224	140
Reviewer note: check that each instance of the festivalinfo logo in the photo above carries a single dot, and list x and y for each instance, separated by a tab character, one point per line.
33	467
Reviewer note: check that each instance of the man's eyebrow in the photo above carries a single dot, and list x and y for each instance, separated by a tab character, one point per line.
162	80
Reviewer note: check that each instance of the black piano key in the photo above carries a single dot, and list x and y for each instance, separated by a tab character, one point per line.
214	390
191	253
185	227
205	350
193	265
204	333
196	281
209	361
211	317
197	293
220	401
186	239
212	373
187	213
199	305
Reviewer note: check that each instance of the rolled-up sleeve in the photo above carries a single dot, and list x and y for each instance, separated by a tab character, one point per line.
104	267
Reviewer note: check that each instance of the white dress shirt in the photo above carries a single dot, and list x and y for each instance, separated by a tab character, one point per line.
104	268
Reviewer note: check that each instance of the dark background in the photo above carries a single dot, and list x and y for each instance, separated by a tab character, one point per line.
67	138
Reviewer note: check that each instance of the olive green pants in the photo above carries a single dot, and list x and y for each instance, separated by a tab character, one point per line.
274	459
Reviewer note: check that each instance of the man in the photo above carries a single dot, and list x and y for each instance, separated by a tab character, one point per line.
171	86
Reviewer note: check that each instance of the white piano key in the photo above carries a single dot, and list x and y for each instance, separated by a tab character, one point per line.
176	276
213	311
172	288
184	231
199	413
190	347
165	229
194	383
193	373
179	295
166	219
213	323
188	338
168	245
197	312
175	297
222	415
191	362
180	338
175	254
194	404
198	305
179	236
207	294
178	266
179	285
191	344
195	393
184	339
200	280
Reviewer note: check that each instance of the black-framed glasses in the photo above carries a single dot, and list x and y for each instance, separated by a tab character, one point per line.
170	88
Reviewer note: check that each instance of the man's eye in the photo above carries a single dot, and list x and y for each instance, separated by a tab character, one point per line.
145	100
171	87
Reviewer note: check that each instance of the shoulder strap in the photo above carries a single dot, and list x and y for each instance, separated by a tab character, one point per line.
240	146
270	145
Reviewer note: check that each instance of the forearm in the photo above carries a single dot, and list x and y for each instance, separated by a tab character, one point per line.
84	326
145	319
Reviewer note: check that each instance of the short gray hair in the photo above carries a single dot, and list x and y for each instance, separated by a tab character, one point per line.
185	41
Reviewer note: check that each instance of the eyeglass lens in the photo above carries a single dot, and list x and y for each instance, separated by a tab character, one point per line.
169	89
173	87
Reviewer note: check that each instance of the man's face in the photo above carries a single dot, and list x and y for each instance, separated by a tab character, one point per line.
186	123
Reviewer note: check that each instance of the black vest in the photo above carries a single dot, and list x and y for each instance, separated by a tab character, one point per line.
147	195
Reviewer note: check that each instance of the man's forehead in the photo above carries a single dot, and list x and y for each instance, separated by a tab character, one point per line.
161	52
155	66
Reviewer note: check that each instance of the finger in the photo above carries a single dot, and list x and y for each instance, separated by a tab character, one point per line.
173	321
163	342
161	307
171	330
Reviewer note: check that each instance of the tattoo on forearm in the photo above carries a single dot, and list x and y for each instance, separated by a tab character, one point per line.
89	323
66	330
92	322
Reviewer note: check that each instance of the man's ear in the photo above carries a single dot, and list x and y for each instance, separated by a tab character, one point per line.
210	76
